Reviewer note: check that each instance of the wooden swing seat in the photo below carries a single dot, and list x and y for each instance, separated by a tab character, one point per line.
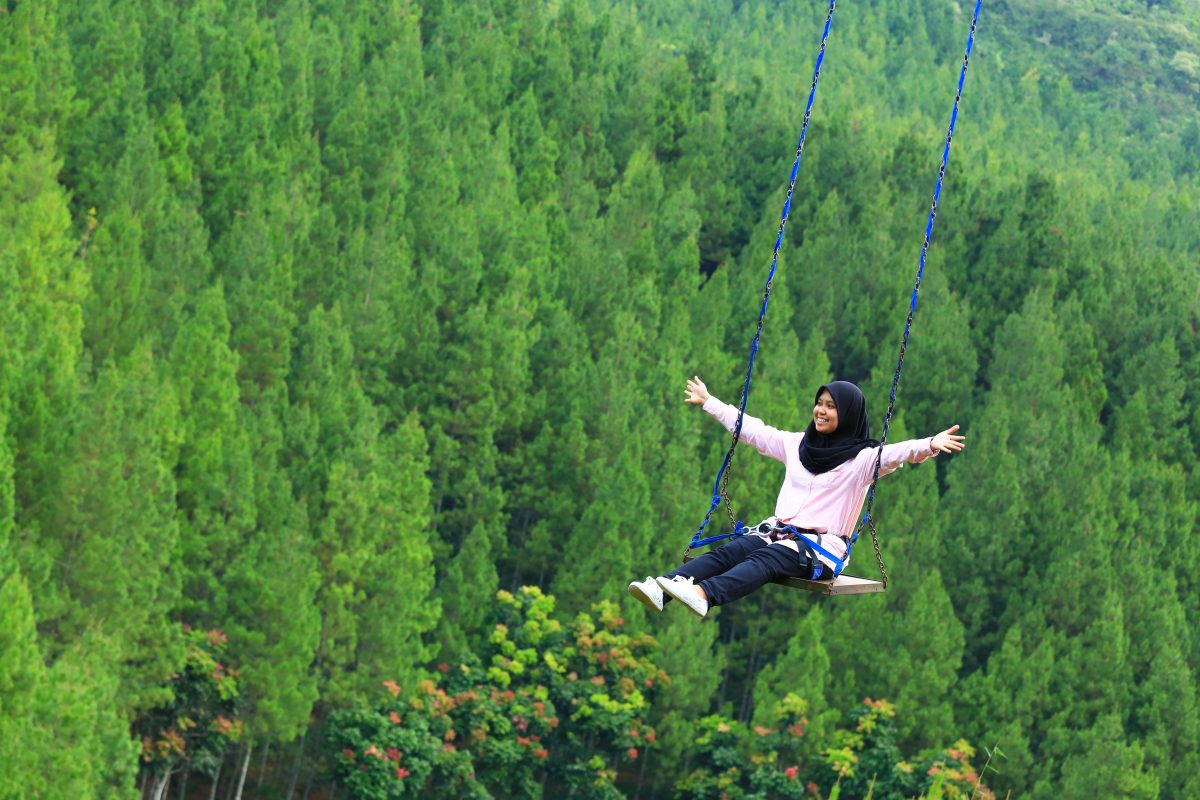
841	585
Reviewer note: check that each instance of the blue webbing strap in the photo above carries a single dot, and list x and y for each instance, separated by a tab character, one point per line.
867	520
722	474
812	544
840	562
739	530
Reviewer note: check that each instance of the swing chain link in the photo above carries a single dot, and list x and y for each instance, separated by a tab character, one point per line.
878	552
725	486
912	305
723	480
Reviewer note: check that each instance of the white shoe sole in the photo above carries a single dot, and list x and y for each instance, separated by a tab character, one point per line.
686	594
641	595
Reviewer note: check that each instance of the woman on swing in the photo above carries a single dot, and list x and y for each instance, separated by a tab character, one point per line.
829	469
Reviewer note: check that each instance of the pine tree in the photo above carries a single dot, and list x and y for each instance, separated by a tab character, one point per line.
696	662
21	673
115	552
273	622
1165	709
21	669
937	384
47	284
1009	702
906	647
599	553
119	310
367	495
62	733
79	711
804	669
256	260
1109	766
215	478
108	54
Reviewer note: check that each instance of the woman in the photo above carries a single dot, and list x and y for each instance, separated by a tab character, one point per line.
829	469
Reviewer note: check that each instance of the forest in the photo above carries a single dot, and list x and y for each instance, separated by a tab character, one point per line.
342	361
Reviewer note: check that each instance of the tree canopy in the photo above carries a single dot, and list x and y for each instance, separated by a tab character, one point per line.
342	346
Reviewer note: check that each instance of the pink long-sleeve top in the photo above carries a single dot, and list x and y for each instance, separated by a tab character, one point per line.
829	503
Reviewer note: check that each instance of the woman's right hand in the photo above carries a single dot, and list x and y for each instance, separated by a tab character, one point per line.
696	391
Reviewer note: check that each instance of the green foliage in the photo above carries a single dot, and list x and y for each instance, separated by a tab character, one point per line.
366	491
117	532
274	627
380	757
322	323
722	745
800	674
20	672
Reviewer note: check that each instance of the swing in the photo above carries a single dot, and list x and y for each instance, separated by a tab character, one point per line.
830	587
838	584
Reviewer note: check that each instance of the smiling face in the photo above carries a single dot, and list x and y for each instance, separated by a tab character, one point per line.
825	415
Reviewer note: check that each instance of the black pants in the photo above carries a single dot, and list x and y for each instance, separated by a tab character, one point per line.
745	564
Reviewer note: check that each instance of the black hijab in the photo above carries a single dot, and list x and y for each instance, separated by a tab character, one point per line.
820	452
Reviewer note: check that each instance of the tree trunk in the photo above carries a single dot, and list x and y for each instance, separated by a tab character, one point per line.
748	690
160	785
637	795
727	640
212	793
187	771
231	781
296	766
262	769
242	774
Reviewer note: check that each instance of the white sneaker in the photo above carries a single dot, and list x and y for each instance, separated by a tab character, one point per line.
647	593
684	590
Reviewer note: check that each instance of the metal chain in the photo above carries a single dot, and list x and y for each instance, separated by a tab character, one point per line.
868	519
725	492
722	482
879	553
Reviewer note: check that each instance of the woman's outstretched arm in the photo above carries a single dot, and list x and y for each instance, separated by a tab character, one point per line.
771	442
915	451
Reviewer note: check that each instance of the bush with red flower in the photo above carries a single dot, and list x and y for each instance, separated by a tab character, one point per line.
541	705
200	723
741	763
397	752
866	758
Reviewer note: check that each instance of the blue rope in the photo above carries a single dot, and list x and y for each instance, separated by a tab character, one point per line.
718	487
912	304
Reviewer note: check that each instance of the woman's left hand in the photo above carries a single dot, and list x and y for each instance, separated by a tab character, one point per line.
947	441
